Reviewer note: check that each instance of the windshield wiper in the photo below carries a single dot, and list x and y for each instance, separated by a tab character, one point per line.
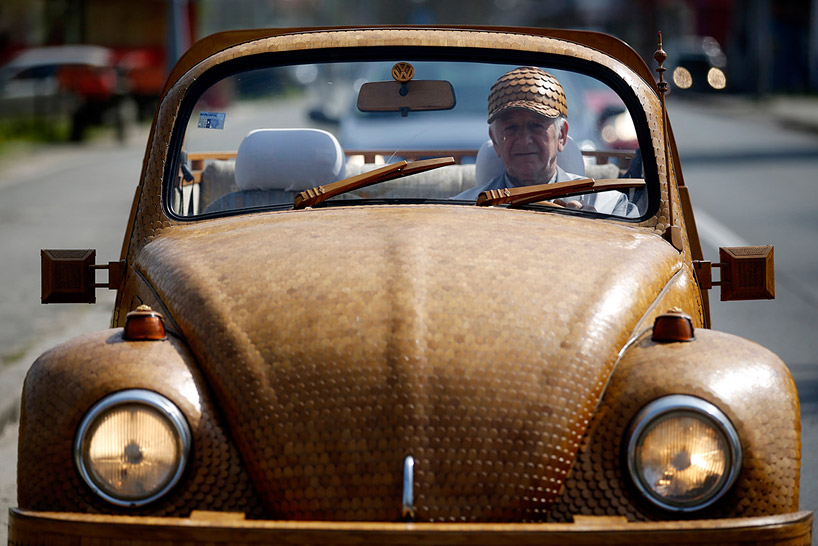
319	194
517	197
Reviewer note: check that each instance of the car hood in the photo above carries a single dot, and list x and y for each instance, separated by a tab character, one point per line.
340	340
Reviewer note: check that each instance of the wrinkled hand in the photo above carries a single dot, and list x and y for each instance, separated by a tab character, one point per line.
574	204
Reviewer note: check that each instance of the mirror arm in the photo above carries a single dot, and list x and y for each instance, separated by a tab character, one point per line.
703	270
704	273
116	270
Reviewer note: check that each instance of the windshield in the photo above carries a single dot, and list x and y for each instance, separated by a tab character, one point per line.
257	138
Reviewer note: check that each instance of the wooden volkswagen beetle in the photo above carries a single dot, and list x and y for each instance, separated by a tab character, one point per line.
345	315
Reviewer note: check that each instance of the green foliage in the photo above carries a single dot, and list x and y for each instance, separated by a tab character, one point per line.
32	130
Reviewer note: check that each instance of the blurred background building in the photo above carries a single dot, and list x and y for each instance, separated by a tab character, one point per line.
760	46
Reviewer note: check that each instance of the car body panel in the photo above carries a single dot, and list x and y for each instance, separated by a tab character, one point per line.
69	378
753	385
377	332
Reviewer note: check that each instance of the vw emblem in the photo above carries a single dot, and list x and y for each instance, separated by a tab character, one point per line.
403	72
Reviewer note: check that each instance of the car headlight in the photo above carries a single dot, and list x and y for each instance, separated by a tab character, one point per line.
683	453
716	78
132	446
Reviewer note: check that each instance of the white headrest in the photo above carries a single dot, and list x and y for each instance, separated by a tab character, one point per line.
288	159
570	158
489	166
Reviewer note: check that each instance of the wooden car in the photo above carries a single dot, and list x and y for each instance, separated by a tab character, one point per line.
417	341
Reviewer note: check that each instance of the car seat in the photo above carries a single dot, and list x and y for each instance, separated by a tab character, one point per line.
273	165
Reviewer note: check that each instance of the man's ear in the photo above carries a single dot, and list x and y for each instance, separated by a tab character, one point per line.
491	136
563	135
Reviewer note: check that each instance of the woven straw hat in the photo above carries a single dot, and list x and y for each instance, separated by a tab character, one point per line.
529	88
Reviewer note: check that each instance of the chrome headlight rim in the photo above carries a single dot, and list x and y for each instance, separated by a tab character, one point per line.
146	398
678	405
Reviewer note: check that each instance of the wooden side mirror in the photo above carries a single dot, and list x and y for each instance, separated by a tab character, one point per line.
747	273
68	276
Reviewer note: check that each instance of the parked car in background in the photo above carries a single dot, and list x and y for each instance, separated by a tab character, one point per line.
318	340
143	71
78	83
697	63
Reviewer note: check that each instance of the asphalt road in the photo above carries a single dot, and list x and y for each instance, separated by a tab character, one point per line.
751	178
63	197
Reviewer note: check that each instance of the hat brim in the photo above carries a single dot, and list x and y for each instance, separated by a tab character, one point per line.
537	108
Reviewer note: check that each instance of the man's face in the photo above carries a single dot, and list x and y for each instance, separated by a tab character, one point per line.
528	144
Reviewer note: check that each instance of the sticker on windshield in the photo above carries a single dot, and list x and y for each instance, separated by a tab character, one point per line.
211	120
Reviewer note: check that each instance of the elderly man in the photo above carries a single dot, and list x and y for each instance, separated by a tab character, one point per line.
528	127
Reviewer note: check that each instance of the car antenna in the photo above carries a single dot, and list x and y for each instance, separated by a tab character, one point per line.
673	233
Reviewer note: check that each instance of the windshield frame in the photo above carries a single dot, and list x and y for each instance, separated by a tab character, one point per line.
412	53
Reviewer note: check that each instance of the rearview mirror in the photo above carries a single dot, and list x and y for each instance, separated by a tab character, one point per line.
411	96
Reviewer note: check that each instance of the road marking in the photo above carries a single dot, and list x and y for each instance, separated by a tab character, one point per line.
714	234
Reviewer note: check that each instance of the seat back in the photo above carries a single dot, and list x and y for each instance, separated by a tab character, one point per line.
290	160
273	165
